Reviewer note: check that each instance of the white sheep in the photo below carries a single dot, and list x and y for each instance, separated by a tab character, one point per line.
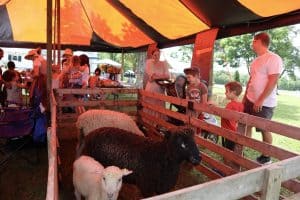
95	182
94	119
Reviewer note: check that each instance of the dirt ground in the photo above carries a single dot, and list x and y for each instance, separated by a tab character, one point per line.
24	176
187	177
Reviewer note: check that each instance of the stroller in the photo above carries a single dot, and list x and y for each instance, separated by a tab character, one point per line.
176	90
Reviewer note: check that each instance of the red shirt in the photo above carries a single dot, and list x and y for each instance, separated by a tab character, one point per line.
231	124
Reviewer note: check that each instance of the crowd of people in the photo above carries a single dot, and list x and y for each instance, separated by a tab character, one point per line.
73	73
259	98
11	85
260	95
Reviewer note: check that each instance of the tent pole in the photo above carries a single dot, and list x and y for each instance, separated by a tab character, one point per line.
54	33
49	48
58	33
203	55
122	63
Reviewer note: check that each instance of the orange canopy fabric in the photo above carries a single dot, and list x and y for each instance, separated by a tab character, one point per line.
171	18
28	21
270	7
129	24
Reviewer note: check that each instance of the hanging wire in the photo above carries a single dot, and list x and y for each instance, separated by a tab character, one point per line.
58	34
86	14
54	35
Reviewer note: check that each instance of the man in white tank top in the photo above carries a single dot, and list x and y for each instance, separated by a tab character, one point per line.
260	97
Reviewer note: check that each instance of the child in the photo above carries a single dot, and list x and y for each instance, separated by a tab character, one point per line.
85	69
13	88
233	90
196	91
75	79
56	77
94	82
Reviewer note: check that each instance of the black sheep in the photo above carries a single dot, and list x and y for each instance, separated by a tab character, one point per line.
155	164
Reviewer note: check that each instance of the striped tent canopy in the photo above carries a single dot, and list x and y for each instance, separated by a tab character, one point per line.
111	25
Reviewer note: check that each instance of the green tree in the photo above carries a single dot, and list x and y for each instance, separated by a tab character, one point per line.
184	53
237	76
235	50
221	77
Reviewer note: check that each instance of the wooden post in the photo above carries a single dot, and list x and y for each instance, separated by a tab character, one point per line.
58	33
272	183
122	62
54	33
140	70
49	49
239	148
203	55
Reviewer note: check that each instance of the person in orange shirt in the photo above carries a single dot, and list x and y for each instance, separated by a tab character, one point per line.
233	91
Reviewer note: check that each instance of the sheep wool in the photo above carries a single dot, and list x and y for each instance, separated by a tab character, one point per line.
95	182
87	177
155	164
94	119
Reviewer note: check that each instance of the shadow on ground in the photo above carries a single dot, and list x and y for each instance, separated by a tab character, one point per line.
187	177
24	175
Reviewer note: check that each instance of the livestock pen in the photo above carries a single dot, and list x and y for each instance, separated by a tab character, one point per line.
252	181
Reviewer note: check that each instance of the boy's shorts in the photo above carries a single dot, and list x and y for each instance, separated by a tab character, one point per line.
266	112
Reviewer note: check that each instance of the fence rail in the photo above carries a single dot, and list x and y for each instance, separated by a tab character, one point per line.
57	102
266	179
211	165
52	184
249	120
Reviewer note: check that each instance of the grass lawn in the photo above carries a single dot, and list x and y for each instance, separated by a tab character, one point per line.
287	112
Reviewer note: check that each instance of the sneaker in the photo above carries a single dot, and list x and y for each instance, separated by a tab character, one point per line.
264	160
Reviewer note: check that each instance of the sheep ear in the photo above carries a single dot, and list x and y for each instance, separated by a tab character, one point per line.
126	172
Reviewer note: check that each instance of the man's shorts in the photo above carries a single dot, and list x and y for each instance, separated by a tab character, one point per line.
266	112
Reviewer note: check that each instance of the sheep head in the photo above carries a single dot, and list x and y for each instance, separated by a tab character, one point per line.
112	181
183	146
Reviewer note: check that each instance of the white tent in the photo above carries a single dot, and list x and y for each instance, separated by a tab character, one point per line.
108	62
